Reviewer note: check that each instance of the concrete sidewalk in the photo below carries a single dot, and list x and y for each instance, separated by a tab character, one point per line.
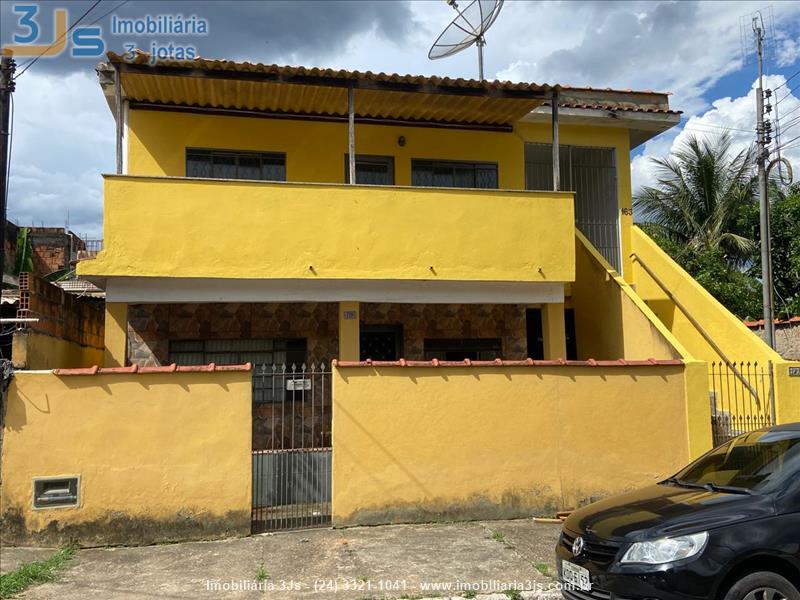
393	561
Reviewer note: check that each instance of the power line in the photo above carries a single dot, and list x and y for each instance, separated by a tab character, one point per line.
723	127
791	111
30	63
785	145
787	81
789	93
789	125
108	12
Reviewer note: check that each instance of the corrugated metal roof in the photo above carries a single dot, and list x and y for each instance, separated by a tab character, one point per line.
214	65
314	91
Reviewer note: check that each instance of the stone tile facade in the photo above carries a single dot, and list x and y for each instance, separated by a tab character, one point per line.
152	326
420	321
302	420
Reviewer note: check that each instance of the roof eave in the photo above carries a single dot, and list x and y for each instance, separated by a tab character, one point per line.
642	125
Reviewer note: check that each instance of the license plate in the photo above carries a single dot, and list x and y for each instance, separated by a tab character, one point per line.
576	576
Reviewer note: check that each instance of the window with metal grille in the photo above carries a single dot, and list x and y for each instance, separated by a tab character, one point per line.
381	342
371	170
238	352
592	174
262	354
459	349
228	164
458	174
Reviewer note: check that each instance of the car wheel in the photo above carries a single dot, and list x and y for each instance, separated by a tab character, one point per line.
763	586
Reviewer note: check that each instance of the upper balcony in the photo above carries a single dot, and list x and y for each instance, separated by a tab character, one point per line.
171	227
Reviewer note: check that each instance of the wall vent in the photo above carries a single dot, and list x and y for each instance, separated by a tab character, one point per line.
55	492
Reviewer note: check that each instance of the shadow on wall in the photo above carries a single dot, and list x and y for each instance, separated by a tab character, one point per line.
611	321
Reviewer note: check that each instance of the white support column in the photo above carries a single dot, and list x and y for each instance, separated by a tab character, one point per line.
351	134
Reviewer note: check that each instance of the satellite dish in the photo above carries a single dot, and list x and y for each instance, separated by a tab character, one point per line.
466	29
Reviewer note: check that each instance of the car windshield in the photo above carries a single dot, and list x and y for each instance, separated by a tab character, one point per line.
752	462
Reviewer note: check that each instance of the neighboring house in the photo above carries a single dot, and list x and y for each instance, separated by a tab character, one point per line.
787	336
464	335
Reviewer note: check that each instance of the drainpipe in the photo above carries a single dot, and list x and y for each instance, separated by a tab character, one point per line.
351	134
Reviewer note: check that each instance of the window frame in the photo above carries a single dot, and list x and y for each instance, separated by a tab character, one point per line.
463	345
211	152
475	164
386	159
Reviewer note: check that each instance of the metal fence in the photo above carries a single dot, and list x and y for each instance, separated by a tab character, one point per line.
291	447
742	398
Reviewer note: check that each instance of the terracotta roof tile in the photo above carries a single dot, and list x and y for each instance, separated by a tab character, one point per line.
136	369
506	363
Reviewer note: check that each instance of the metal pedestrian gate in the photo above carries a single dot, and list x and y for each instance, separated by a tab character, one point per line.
291	447
742	398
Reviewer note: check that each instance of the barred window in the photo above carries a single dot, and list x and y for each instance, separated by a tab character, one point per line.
435	173
226	164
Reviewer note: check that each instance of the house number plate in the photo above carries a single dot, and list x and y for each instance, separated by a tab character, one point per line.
794	371
295	385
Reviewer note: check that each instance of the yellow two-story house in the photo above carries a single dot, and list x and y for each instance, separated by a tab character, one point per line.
233	216
406	260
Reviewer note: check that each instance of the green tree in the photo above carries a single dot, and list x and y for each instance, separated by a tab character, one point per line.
694	212
699	192
785	245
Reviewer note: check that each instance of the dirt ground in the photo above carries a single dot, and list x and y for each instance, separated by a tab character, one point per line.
393	561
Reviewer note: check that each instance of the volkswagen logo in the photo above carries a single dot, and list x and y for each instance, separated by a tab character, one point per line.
577	546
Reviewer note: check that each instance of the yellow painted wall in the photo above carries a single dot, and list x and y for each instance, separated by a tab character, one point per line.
413	444
787	393
32	350
349	331
242	229
116	335
604	137
727	331
314	150
611	321
736	341
161	456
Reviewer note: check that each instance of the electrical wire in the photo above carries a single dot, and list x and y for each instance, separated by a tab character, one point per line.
723	127
784	128
785	145
30	63
784	115
108	12
789	93
787	81
8	158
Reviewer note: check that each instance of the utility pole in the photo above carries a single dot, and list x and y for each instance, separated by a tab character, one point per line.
7	67
763	140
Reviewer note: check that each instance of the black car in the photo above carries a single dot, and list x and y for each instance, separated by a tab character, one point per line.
727	527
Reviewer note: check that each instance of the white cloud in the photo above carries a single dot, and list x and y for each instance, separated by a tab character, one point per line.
63	141
64	132
682	47
736	115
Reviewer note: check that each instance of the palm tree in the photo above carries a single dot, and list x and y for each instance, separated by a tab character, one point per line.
701	190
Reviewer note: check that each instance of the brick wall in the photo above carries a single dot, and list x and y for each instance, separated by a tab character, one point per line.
61	315
53	249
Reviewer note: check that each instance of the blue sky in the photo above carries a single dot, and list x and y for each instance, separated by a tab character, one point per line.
64	133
